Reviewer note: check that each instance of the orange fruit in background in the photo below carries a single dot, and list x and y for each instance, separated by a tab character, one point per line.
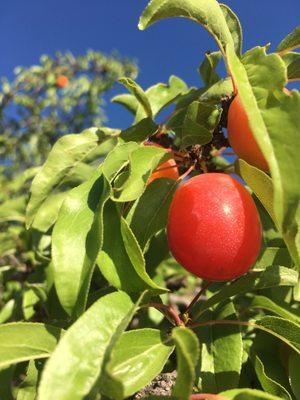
168	169
62	81
241	138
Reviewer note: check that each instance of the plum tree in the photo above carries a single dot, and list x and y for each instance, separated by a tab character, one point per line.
214	230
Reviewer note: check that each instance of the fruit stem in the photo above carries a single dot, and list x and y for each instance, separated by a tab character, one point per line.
186	173
167	310
197	297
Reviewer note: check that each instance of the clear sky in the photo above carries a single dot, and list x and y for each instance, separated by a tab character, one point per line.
30	28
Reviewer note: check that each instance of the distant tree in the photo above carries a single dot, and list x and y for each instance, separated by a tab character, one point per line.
63	94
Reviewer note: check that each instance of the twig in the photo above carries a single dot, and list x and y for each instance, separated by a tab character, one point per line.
197	297
166	310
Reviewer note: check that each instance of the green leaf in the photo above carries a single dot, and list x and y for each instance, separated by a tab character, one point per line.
149	213
221	351
270	277
76	363
47	214
117	159
6	378
268	384
248	394
208	68
269	370
22	341
121	256
128	101
13	209
28	388
284	311
294	368
161	95
138	357
235	28
142	162
260	80
140	131
139	94
292	61
65	155
274	256
205	12
290	42
287	331
7	310
260	183
187	353
76	241
196	124
218	91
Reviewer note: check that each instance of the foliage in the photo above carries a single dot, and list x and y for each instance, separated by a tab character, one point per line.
36	108
93	304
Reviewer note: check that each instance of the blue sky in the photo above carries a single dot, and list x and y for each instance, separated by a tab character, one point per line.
34	27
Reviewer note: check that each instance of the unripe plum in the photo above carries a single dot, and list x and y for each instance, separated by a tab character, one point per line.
214	230
241	138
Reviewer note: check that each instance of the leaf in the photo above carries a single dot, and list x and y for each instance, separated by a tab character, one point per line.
205	12
196	124
117	159
6	377
287	331
121	256
139	94
294	368
47	214
138	357
221	351
218	91
76	363
248	394
187	353
284	311
140	131
267	383
260	80
149	213
269	370
142	162
161	95
274	256
28	388
67	152
290	42
292	61
23	341
260	183
76	241
254	280
235	28
208	68
128	101
7	310
13	209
